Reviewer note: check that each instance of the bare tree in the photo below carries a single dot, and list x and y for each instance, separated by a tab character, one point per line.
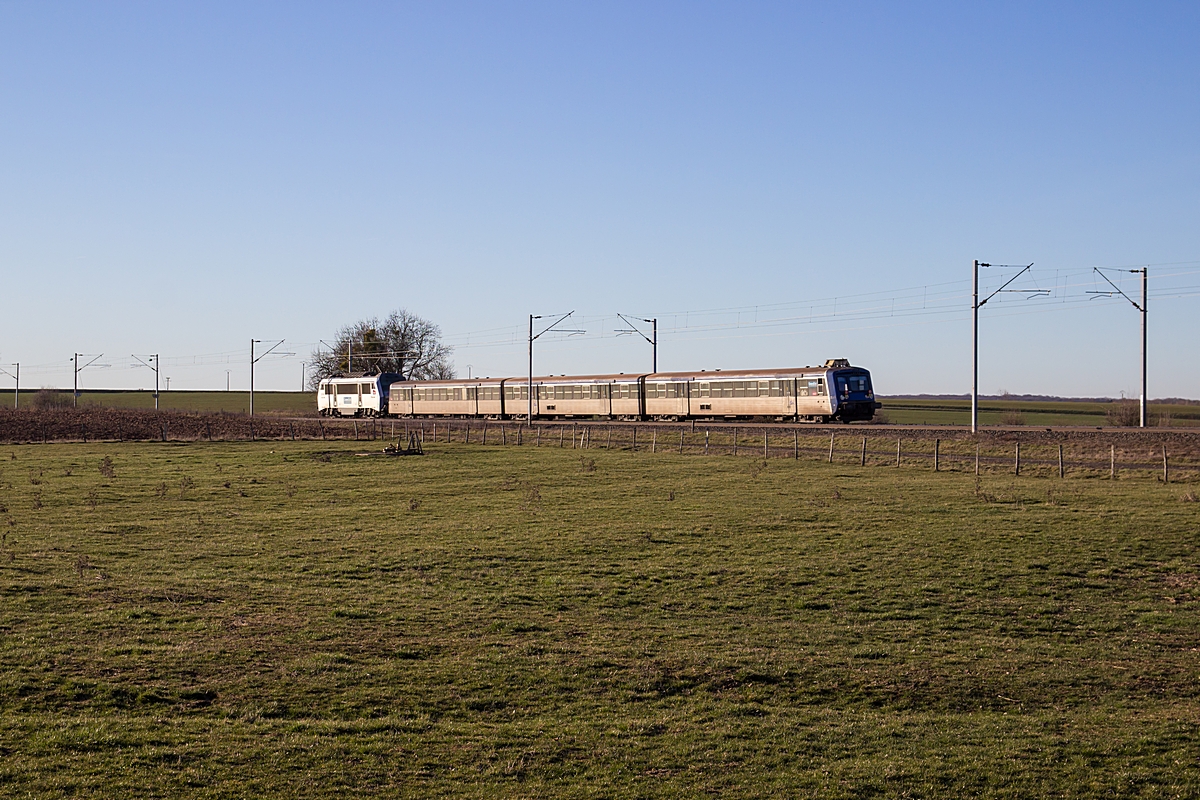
402	343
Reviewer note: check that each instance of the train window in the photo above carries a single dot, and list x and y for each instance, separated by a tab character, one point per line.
346	388
777	388
329	389
367	388
764	388
703	390
676	390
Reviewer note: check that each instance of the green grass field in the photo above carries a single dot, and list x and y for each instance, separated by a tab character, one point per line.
1044	413
279	619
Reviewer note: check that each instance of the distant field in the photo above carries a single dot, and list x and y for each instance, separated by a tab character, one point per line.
280	619
233	402
897	411
1044	413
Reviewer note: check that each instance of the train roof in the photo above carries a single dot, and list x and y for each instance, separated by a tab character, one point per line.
620	377
717	374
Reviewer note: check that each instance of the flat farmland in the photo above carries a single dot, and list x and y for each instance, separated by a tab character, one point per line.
937	411
291	403
290	619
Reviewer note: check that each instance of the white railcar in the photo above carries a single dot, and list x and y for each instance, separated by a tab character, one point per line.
356	395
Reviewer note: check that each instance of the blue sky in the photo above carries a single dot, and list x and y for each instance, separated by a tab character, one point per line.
772	181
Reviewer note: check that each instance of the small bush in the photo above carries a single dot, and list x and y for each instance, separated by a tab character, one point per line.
1012	418
106	467
50	398
1124	414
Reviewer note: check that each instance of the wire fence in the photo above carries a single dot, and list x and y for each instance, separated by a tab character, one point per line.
1175	458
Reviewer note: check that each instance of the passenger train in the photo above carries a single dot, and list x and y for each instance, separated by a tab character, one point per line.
835	391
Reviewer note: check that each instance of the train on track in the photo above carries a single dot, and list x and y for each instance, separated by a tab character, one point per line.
835	391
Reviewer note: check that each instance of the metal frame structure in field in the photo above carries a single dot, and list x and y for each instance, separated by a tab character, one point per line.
976	304
1144	271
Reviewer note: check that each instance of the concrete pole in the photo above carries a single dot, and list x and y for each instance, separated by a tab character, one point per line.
252	377
75	391
975	352
156	381
529	419
1144	293
654	343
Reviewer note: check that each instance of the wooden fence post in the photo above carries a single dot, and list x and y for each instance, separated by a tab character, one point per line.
706	441
862	462
897	453
735	440
681	443
976	461
795	444
653	439
484	433
831	447
572	435
1166	471
766	447
1061	471
608	444
634	447
1017	461
561	432
504	434
937	448
1112	462
292	425
538	437
355	429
